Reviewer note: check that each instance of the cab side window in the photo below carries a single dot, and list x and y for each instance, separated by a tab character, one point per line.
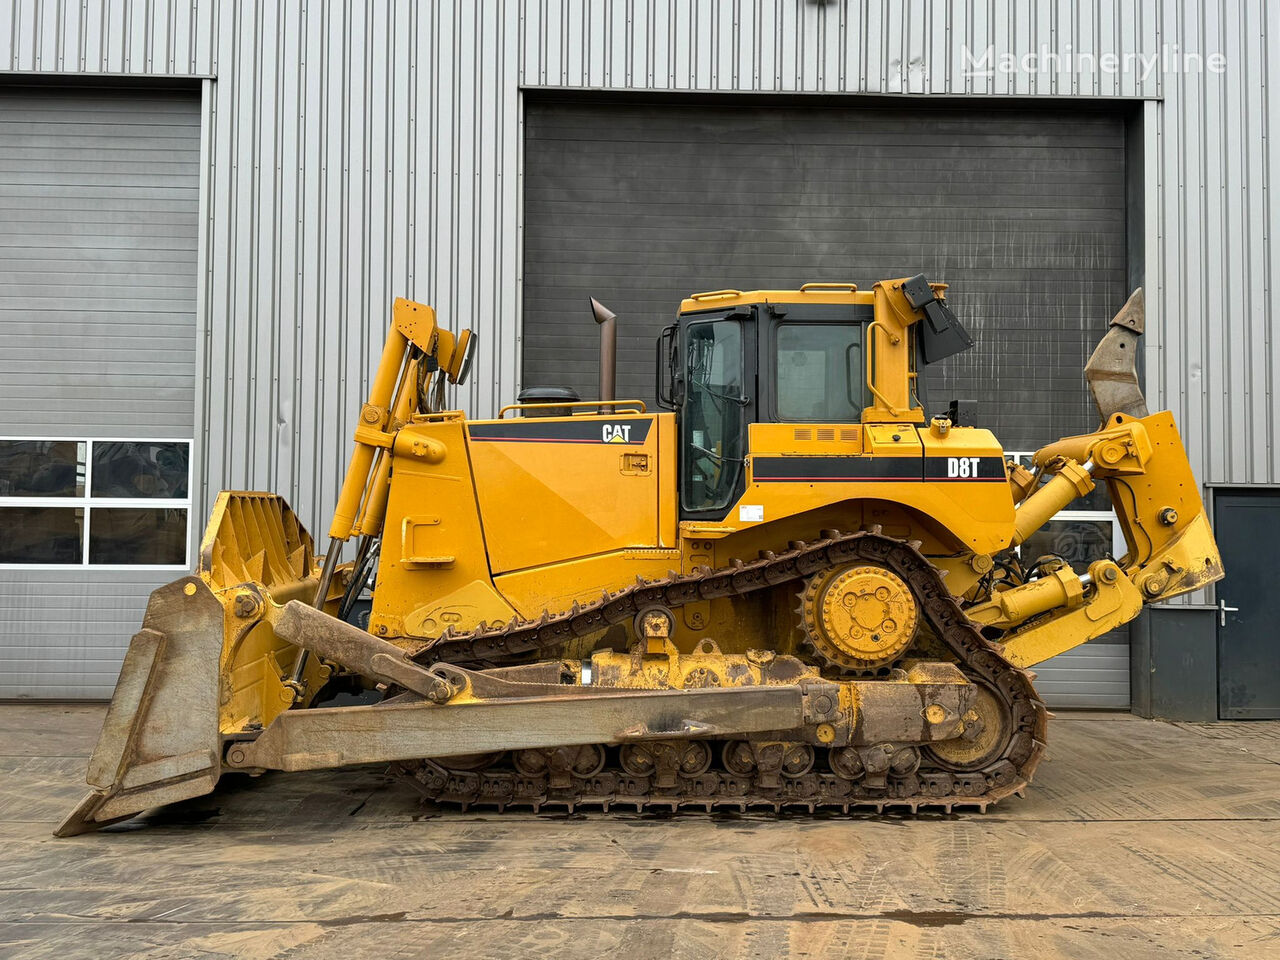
820	372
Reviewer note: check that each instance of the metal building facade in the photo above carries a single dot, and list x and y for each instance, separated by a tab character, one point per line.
352	153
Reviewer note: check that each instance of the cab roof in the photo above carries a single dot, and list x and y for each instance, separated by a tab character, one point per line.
838	293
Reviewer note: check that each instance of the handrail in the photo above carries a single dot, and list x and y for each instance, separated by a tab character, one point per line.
811	287
871	382
715	295
637	406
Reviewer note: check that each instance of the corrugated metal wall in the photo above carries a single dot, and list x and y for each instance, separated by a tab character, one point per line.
354	157
830	46
356	153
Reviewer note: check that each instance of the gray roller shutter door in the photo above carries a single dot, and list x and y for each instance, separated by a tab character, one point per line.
1093	675
99	197
1021	210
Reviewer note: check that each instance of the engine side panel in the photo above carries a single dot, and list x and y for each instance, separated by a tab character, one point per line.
957	480
558	488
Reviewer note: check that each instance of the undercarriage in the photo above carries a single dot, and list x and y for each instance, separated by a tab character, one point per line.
948	723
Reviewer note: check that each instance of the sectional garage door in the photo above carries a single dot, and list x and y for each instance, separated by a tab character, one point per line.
1022	211
99	195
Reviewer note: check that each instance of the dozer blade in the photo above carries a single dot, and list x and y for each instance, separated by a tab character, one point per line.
159	741
203	668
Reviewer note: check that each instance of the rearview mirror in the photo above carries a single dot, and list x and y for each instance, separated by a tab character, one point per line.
665	373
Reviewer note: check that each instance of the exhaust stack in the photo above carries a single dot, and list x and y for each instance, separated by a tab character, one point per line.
608	321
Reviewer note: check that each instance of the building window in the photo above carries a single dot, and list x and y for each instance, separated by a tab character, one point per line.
101	503
1084	532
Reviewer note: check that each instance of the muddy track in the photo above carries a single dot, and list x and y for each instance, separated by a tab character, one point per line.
599	779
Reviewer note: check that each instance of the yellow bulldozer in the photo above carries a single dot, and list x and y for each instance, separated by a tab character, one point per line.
789	589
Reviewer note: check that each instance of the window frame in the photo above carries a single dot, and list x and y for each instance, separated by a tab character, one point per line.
776	314
87	502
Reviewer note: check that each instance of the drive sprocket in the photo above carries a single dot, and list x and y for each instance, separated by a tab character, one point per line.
858	617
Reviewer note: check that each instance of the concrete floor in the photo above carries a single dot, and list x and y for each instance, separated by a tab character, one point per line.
1138	839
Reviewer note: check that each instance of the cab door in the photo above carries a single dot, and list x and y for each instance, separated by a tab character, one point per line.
717	401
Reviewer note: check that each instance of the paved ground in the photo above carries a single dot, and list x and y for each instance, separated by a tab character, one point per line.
1138	839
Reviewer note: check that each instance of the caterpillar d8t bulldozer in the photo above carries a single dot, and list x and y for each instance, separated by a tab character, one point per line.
793	589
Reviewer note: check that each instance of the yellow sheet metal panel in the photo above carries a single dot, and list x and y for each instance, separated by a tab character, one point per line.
433	572
966	482
958	481
834	439
668	481
558	585
554	488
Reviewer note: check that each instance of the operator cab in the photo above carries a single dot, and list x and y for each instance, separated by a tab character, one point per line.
813	355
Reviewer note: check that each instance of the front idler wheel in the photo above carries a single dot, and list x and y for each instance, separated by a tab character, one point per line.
991	717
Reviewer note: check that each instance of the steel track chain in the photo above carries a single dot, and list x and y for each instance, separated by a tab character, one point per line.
930	786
